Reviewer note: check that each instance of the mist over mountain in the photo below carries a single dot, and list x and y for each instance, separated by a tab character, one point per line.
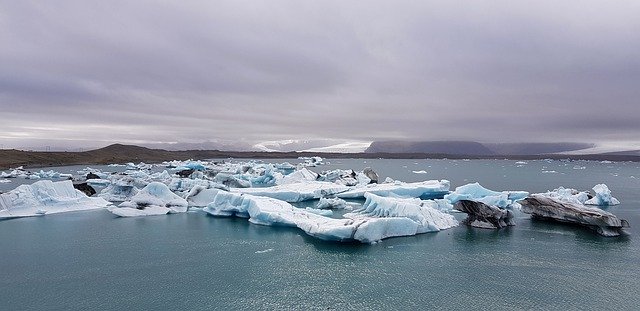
474	148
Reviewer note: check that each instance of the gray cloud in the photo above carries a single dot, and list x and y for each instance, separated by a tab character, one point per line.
92	72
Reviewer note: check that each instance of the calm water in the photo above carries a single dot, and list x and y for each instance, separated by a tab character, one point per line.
92	260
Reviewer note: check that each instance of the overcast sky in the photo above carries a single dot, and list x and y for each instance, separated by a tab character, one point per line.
93	72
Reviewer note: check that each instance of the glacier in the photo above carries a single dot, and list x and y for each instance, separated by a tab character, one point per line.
46	197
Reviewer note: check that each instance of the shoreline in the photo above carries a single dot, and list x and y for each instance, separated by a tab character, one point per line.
126	153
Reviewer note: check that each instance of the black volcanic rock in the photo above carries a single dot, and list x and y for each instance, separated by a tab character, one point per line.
92	176
185	173
371	174
85	188
481	215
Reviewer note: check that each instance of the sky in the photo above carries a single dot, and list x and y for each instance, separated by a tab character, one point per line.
89	73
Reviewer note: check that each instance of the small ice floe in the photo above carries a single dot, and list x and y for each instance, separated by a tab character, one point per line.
578	167
549	172
420	172
265	251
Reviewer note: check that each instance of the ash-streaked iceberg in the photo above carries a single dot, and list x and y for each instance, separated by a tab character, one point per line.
603	196
154	199
46	197
430	189
543	206
481	215
120	190
296	192
380	218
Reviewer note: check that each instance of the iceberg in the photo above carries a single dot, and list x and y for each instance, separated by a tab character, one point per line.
323	212
381	218
46	197
481	215
407	217
200	196
297	192
119	190
478	193
186	184
301	175
430	189
328	203
567	195
154	199
544	206
603	196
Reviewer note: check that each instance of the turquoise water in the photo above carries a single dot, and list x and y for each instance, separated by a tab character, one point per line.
92	260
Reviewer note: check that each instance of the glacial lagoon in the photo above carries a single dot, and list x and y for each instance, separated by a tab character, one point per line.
94	260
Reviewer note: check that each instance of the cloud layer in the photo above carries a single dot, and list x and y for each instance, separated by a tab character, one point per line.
93	72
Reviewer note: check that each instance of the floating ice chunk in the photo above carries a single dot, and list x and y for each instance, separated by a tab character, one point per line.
478	193
420	172
567	195
119	190
98	182
154	199
481	215
301	175
544	206
192	165
200	196
4	181
329	203
368	227
603	196
46	197
186	184
298	192
426	189
424	218
231	181
323	212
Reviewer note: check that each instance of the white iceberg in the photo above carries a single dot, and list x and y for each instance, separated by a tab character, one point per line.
478	193
297	192
567	195
331	203
603	196
154	199
46	197
301	175
200	196
380	218
429	189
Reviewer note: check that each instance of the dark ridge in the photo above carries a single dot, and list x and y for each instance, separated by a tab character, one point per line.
126	153
440	147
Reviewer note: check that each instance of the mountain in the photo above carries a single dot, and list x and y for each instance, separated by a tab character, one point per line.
433	147
474	148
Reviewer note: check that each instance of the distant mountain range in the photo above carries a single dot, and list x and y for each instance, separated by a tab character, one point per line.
474	148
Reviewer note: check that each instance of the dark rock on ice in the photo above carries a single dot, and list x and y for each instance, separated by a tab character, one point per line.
481	215
371	175
92	176
185	173
85	188
602	222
